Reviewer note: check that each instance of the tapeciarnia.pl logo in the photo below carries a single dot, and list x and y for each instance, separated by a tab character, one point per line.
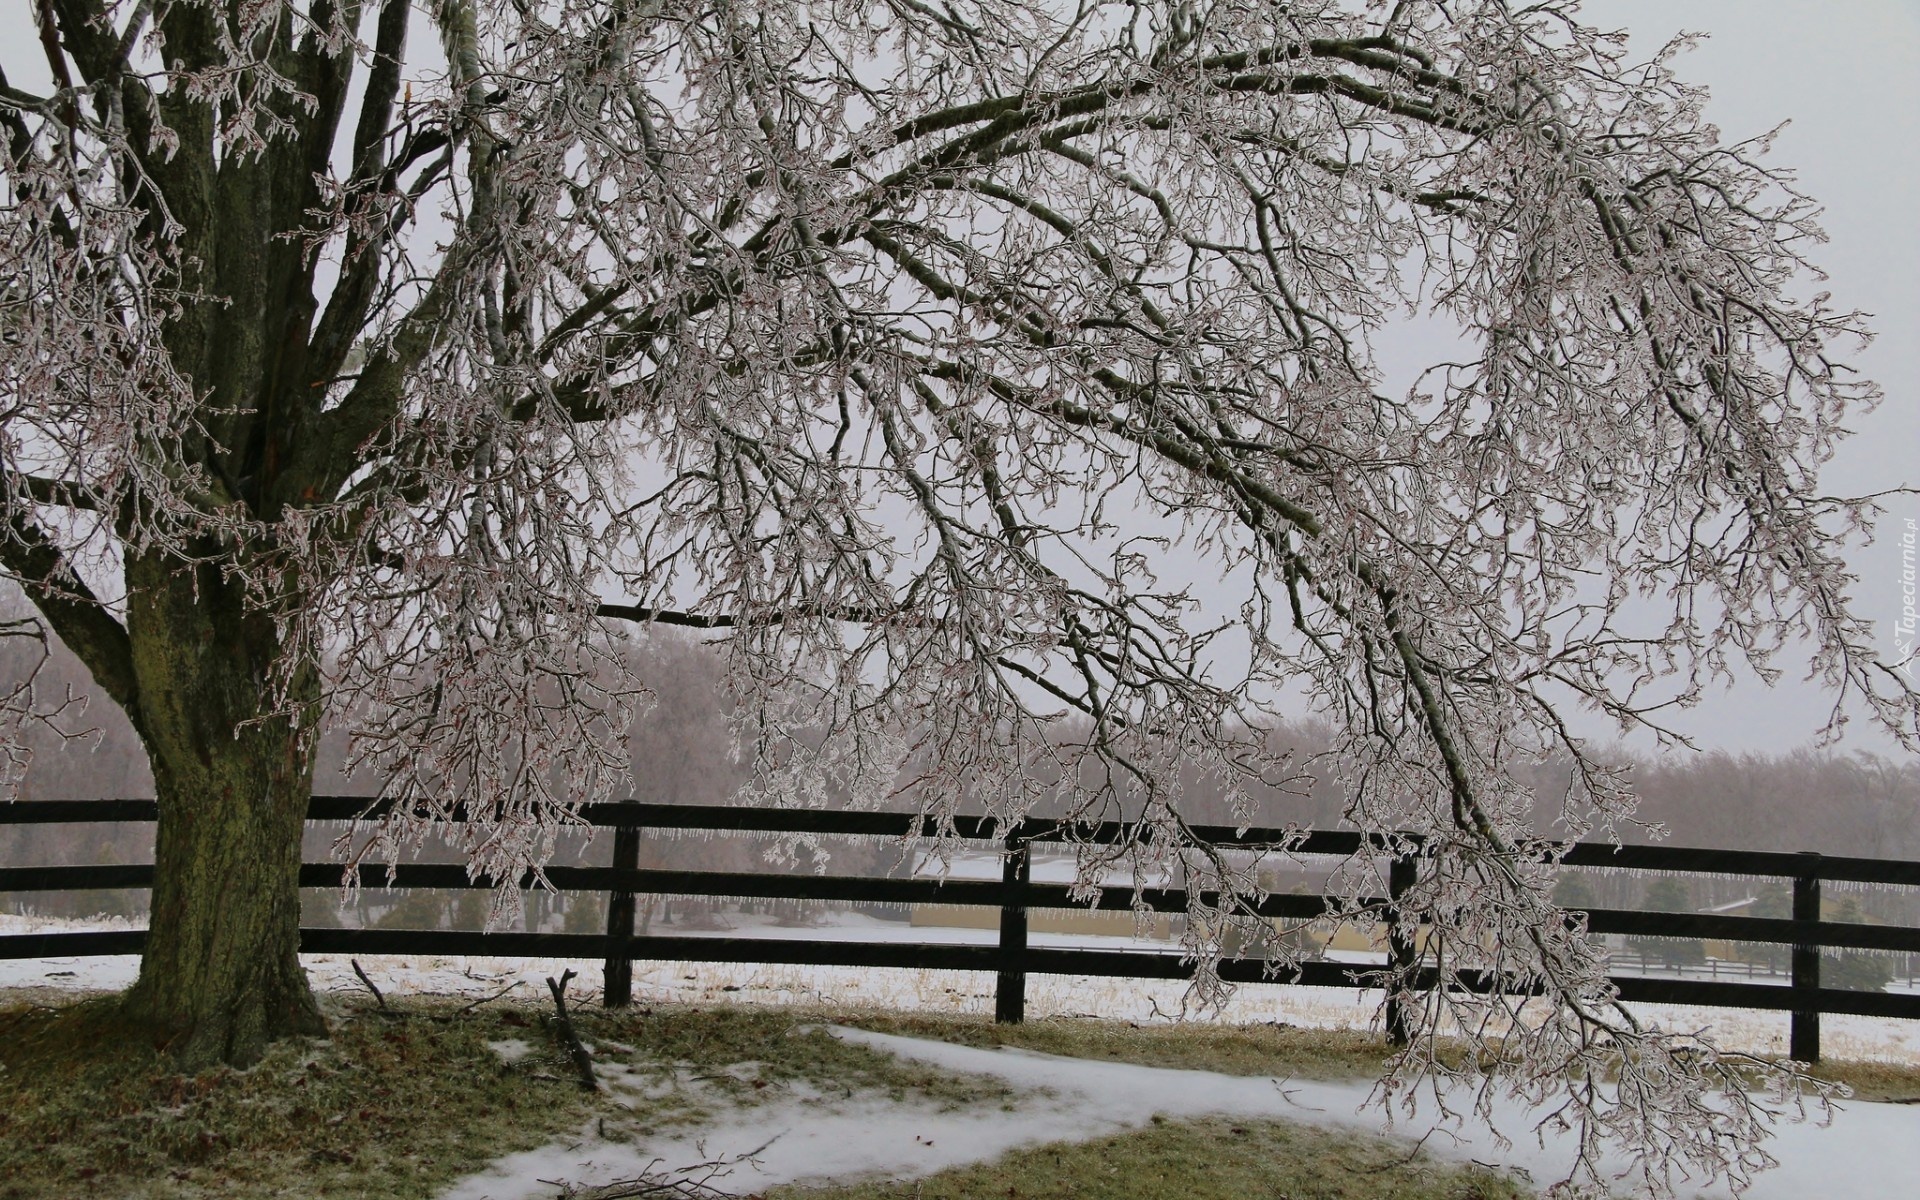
1903	629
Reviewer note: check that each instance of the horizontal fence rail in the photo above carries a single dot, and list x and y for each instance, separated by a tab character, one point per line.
1012	958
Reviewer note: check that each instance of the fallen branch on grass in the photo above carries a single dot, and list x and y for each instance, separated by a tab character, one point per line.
687	1183
644	1187
582	1061
377	997
465	1008
1399	1163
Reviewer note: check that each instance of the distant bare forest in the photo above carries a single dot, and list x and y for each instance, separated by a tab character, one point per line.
681	748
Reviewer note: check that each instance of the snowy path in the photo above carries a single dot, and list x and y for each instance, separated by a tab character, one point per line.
1872	1151
1869	1152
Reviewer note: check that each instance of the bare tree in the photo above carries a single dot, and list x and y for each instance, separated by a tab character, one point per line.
354	356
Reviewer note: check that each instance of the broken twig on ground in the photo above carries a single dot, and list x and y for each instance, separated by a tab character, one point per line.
582	1061
377	997
466	1008
694	1182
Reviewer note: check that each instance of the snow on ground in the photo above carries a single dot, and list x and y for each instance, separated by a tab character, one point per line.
1143	1000
1869	1152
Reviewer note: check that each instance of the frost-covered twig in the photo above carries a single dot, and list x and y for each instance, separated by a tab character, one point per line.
695	1182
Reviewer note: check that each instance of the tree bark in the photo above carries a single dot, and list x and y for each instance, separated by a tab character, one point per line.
220	977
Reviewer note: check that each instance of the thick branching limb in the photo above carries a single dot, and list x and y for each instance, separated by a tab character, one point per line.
30	556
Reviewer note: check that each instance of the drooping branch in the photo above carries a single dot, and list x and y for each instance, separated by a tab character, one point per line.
645	615
73	611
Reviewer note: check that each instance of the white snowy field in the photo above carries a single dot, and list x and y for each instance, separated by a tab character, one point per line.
1143	1000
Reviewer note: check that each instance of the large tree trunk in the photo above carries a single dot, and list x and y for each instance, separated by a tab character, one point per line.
220	977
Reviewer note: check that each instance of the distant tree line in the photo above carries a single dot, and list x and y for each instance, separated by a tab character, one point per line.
682	751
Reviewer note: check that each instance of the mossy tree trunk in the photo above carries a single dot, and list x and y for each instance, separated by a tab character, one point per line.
221	976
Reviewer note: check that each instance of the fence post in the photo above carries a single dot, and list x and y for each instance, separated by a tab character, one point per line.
619	971
1010	993
1401	948
1804	1040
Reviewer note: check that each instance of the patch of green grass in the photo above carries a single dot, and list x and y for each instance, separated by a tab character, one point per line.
397	1104
1874	1080
1215	1159
671	1065
389	1107
1282	1050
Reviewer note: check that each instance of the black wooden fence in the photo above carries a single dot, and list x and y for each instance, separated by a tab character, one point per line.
1012	959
